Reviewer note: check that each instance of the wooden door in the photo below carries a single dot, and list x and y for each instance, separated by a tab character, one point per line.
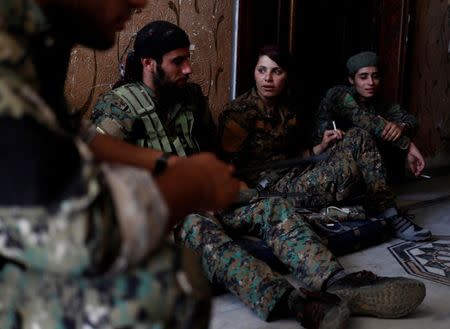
322	34
260	22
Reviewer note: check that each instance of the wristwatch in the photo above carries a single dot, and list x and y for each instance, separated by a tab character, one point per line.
161	164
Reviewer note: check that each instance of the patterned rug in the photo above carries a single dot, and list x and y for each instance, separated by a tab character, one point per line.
428	260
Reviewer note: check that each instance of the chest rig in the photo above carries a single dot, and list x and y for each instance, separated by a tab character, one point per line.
180	118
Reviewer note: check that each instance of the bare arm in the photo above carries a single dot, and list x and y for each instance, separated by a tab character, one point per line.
328	137
344	105
110	149
197	183
415	160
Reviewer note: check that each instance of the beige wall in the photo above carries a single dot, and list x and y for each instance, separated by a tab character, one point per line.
430	76
207	22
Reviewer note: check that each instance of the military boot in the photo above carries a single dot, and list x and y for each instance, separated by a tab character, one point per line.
319	310
383	297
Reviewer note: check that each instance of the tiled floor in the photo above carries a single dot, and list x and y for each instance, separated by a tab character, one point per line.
430	202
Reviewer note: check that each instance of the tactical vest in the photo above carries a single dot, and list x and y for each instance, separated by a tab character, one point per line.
142	105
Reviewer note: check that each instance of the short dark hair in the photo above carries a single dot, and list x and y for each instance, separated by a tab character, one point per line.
158	38
279	55
154	40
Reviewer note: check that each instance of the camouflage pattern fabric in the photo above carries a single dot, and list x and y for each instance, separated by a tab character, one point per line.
251	134
133	113
352	163
72	259
227	263
342	106
166	292
284	231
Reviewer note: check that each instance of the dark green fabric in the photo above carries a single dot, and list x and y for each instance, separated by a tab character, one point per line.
358	61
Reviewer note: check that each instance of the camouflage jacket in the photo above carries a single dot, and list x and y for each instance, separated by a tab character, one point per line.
182	126
251	134
342	106
58	212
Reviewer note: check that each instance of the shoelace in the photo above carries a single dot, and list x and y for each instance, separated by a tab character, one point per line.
357	279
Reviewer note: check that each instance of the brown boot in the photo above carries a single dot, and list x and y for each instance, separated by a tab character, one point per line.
383	297
319	310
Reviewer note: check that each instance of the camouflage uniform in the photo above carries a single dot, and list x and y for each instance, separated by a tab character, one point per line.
341	105
211	237
74	253
253	281
133	114
252	135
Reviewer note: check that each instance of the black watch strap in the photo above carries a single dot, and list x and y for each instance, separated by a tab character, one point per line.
161	164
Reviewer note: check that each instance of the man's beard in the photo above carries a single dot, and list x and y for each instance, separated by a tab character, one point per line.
169	92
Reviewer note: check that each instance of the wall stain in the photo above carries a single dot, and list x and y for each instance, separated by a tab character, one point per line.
197	9
176	9
216	79
216	30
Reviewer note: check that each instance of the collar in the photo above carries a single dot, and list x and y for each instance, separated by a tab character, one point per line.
367	103
150	91
257	100
281	107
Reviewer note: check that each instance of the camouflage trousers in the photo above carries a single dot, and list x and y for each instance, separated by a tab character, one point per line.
253	281
169	291
353	168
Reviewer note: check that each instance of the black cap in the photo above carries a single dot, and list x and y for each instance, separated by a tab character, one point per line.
158	38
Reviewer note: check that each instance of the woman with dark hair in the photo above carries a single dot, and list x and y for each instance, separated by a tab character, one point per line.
360	105
263	125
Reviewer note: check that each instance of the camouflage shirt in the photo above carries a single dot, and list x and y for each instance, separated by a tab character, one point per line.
56	207
252	134
183	125
342	106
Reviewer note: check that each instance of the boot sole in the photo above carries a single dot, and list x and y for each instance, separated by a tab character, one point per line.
416	238
388	298
336	318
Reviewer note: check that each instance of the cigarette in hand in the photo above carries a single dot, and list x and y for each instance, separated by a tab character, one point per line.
334	125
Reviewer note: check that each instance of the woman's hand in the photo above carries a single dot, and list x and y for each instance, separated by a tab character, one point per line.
392	131
415	160
329	136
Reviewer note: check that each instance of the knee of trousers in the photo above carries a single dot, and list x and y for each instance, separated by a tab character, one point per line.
360	142
358	136
190	232
275	211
